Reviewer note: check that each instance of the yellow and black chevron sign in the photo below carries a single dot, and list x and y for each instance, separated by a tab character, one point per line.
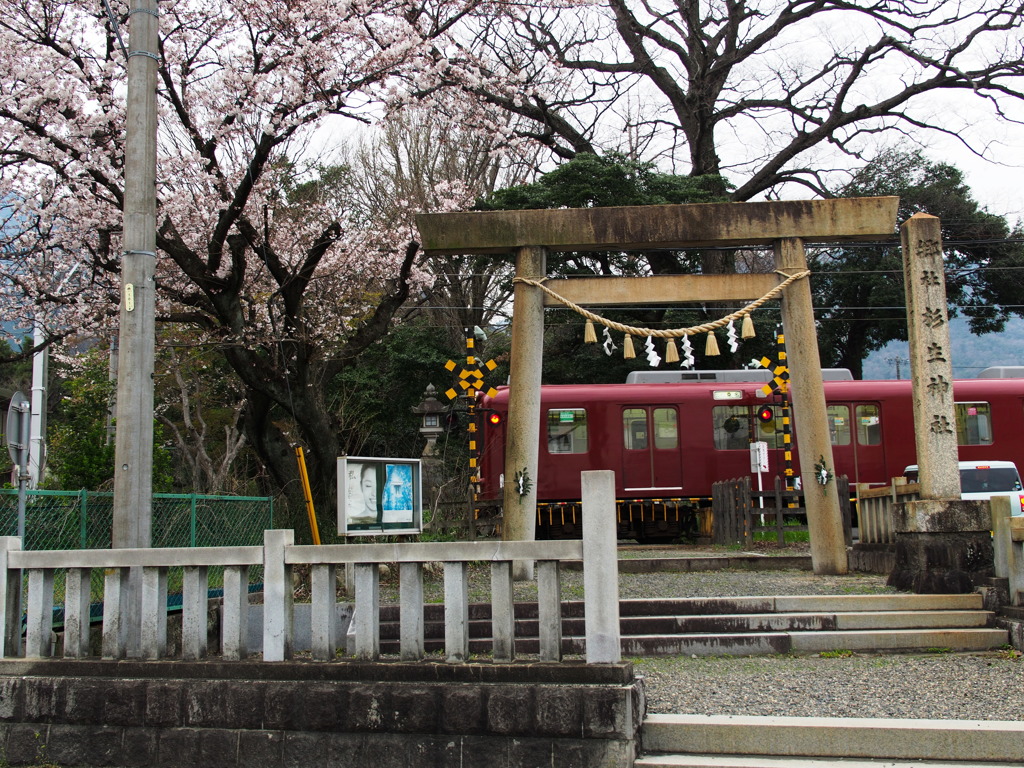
780	376
471	378
780	371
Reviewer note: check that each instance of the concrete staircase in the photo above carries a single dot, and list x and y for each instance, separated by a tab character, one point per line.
702	741
741	626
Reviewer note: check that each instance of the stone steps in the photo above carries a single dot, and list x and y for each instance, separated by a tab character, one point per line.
746	625
746	761
730	741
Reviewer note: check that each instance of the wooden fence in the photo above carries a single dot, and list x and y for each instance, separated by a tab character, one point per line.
741	512
874	509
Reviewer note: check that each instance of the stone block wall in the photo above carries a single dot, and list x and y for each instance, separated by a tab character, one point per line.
872	558
179	714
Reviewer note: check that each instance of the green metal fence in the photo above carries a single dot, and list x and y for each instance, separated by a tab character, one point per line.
81	519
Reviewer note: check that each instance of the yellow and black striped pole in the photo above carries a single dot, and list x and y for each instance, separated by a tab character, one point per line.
787	426
779	384
471	381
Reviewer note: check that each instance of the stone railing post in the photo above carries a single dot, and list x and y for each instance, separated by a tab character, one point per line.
1008	546
77	601
366	615
278	595
411	611
40	613
600	568
235	628
154	613
324	622
1002	549
1016	560
503	619
549	610
115	613
194	599
456	611
10	598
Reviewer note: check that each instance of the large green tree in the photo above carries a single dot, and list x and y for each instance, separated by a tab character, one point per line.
859	291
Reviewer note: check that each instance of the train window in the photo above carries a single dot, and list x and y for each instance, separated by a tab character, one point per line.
732	427
567	430
666	428
973	423
869	425
634	427
839	424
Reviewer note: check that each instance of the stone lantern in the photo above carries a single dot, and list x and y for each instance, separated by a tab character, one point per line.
432	415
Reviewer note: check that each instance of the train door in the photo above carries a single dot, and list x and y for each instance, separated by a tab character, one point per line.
651	457
856	434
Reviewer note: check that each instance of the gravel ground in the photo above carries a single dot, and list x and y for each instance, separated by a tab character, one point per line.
975	686
943	686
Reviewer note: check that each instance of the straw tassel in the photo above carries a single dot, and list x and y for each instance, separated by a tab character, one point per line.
589	334
712	347
671	353
627	348
747	332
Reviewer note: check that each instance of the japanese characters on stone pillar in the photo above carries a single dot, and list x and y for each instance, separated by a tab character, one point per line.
930	365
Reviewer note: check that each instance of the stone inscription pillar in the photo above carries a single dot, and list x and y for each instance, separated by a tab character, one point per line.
524	416
824	515
943	544
931	368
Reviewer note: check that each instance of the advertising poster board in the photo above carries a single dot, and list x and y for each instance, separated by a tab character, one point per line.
379	496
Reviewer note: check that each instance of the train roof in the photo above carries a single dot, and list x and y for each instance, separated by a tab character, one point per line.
853	389
745	374
1003	372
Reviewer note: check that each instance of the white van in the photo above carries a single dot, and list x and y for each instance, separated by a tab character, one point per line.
985	479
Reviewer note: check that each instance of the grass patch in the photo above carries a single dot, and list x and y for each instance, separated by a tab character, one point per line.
838	653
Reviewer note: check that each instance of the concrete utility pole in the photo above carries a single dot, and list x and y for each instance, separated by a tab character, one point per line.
37	426
133	449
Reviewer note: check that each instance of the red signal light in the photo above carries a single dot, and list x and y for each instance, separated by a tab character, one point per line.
494	418
765	414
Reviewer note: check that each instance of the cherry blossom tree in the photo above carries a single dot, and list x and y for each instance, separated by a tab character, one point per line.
260	249
418	161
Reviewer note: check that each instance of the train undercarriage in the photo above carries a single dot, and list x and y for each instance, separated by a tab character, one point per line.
645	520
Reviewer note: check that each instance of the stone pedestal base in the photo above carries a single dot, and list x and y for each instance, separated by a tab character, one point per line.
942	547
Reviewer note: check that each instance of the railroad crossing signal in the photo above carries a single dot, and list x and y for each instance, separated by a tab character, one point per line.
779	385
471	381
780	373
471	378
780	378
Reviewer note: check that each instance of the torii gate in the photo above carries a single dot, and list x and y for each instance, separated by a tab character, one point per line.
785	225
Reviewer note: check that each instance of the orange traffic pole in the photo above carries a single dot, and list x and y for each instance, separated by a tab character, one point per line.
301	457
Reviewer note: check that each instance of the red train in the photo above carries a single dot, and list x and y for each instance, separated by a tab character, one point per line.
668	442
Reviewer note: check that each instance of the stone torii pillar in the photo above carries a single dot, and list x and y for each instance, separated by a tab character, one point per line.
519	502
781	224
821	497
